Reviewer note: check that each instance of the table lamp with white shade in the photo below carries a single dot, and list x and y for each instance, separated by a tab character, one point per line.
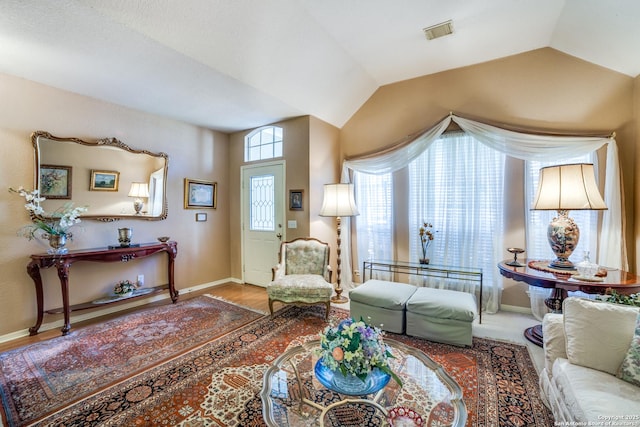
139	190
338	202
564	188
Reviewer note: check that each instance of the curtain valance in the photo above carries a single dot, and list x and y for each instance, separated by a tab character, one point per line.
612	250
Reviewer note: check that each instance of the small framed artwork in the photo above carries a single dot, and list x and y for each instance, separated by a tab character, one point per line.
201	217
104	180
200	194
55	181
295	200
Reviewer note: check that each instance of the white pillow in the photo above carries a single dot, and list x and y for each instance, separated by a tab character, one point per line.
598	334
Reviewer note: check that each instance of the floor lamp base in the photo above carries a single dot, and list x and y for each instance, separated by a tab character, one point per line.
339	299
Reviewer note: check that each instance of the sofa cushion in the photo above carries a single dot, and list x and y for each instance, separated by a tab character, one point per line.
383	294
300	288
443	304
591	395
630	368
554	340
598	334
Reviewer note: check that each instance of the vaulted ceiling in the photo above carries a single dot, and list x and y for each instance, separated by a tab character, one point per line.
237	64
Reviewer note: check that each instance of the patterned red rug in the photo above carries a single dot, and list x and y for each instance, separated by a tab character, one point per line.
218	383
40	378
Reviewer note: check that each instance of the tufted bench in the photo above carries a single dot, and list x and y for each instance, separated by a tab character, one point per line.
381	303
441	315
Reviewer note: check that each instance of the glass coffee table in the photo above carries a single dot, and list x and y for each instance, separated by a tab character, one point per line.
292	396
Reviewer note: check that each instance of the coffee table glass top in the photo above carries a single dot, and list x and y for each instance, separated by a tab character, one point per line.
292	396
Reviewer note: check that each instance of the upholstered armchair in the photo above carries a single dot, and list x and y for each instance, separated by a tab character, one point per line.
303	274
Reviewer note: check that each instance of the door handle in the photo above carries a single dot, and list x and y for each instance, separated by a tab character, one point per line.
279	236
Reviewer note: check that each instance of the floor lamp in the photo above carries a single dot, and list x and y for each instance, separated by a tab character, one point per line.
564	188
338	202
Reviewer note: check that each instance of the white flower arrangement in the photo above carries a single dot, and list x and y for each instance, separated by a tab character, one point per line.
54	223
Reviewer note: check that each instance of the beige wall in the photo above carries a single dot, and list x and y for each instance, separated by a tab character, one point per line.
194	152
541	89
324	168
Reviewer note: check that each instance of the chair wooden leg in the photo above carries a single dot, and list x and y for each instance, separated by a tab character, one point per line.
271	306
328	304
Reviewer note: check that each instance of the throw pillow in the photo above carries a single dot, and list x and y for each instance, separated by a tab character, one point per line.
630	368
598	333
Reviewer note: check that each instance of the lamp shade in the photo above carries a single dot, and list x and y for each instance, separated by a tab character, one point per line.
139	189
568	187
338	200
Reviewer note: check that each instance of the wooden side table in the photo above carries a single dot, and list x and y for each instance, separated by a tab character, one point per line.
622	281
63	262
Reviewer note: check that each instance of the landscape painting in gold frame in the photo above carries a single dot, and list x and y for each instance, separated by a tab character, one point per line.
200	194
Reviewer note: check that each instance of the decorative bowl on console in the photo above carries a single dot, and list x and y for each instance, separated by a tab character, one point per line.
163	239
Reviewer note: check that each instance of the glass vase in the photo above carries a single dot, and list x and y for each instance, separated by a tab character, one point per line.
586	268
350	384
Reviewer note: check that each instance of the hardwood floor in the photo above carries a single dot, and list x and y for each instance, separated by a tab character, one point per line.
246	295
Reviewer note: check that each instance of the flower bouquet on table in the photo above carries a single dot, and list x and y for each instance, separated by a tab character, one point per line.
124	288
354	358
53	226
426	234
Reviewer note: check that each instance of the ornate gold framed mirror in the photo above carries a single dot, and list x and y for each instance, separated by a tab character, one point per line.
109	177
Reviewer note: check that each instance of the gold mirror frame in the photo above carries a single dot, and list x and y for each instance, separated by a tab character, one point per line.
108	143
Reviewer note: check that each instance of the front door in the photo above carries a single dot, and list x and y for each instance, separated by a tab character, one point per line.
263	210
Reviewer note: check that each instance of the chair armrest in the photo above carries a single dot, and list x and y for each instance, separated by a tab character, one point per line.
277	271
328	272
553	339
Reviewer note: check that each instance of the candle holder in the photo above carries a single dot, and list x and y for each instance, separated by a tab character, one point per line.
515	252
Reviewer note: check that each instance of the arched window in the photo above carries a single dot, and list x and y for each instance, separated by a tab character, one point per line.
263	143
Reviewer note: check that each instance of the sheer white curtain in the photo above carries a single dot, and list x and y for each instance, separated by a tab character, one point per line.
537	246
611	251
374	225
457	185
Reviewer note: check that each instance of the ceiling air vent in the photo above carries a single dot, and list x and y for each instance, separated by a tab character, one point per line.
438	30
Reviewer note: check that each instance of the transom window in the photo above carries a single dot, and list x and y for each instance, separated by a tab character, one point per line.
263	143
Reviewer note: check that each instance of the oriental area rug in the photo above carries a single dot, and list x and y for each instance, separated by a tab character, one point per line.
207	370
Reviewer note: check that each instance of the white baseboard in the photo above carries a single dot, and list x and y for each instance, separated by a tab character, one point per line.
113	309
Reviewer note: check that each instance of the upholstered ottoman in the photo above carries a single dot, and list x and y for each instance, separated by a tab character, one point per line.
381	303
441	315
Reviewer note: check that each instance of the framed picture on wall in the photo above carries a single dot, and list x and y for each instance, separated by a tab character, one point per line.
200	194
55	181
295	200
104	180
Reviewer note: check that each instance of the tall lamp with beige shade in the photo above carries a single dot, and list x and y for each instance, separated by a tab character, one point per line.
338	202
564	188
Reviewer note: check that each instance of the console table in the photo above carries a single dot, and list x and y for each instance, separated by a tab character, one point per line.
62	262
622	281
428	270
